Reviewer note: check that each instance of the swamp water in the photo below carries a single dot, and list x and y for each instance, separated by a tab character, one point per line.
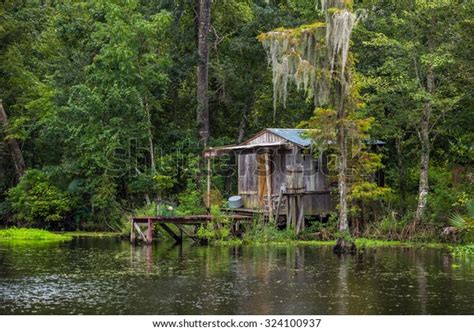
110	276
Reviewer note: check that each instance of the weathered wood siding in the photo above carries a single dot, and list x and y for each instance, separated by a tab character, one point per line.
279	169
247	164
317	201
265	137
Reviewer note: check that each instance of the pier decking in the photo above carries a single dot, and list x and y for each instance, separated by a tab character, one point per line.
179	222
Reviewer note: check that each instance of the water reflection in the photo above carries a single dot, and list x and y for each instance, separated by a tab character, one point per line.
109	276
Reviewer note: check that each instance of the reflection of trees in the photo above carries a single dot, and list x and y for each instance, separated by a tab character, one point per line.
422	282
185	279
342	292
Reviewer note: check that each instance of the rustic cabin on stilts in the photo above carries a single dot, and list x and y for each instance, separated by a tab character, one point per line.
279	177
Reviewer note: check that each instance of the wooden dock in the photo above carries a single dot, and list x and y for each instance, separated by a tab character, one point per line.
180	222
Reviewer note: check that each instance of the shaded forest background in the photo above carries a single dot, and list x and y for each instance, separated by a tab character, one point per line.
101	99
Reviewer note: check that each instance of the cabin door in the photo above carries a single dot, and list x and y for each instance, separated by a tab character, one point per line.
262	185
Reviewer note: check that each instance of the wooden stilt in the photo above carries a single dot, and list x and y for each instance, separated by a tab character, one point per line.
294	214
208	194
300	210
132	231
185	231
280	196
288	211
150	232
170	232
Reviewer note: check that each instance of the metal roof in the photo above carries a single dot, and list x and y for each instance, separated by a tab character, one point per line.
297	136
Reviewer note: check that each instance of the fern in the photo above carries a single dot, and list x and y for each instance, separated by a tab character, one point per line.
458	221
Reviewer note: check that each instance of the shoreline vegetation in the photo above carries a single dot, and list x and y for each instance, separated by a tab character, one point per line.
29	235
93	129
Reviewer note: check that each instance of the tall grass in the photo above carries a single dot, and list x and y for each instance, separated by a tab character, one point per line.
22	234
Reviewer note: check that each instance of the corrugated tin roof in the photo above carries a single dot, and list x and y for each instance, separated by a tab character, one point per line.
294	135
297	136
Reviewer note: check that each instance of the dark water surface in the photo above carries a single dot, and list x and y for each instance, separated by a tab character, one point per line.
109	276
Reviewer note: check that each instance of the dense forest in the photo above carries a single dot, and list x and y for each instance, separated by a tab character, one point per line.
107	106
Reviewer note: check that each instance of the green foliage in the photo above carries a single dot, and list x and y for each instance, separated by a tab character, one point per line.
463	251
346	236
35	201
446	198
16	235
318	230
92	88
190	200
464	224
217	230
267	232
212	232
389	228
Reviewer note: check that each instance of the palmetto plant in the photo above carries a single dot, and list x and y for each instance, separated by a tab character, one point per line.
464	224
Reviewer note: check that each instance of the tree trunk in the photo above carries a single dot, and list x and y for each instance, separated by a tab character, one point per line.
402	172
343	221
243	123
343	244
424	136
204	20
14	148
151	147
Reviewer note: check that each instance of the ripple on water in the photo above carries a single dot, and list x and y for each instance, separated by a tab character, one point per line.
111	277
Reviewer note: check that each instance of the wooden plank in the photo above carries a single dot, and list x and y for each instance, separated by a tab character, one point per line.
247	192
185	231
171	233
280	198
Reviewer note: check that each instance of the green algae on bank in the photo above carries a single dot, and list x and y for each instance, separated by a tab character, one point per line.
25	235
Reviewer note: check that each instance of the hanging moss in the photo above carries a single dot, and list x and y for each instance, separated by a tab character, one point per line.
309	54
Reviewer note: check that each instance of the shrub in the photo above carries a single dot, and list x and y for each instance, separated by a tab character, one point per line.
464	223
265	232
215	231
210	233
37	202
190	200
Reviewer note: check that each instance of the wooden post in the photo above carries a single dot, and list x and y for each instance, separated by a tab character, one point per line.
288	211
132	231
295	189
150	231
280	197
300	220
294	212
208	196
269	185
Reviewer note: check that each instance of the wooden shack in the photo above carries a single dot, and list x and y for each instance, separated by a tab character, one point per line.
267	164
